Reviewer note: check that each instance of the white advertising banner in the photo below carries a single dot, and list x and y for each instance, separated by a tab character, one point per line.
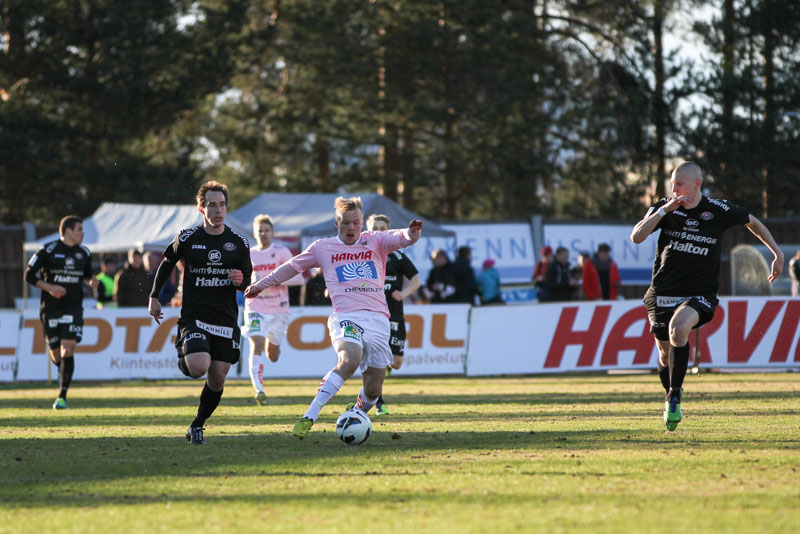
126	343
9	338
635	262
757	332
436	343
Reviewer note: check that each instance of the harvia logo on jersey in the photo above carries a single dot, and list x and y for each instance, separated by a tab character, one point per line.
214	255
688	248
357	271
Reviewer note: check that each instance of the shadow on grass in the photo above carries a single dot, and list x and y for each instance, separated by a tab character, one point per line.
188	397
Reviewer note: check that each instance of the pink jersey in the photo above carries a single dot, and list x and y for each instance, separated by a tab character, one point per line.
354	274
275	299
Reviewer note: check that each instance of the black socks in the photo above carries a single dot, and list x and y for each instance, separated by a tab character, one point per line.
663	374
680	363
65	370
209	400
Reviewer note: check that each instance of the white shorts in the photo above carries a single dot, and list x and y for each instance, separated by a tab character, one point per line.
269	325
369	330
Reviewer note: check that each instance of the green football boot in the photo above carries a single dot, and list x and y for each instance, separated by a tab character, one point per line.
301	427
261	398
60	404
349	405
672	413
383	409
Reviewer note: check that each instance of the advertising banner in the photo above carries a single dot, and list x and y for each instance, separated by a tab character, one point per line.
9	338
754	332
125	343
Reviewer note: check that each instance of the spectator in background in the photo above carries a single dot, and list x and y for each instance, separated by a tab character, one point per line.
131	286
540	271
607	272
559	283
316	293
151	262
489	283
105	287
440	286
464	277
794	274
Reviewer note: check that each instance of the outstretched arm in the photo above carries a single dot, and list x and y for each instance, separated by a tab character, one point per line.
280	275
764	235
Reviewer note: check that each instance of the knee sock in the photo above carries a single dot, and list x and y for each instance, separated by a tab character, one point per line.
330	385
363	402
65	371
257	362
209	400
183	367
663	374
680	362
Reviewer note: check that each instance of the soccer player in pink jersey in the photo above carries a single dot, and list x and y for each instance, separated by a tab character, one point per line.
266	316
353	264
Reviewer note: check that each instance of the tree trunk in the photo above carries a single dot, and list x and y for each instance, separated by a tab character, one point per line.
728	15
659	107
768	128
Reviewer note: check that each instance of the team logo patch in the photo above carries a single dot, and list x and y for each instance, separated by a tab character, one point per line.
229	246
78	255
357	271
255	325
352	332
214	255
706	215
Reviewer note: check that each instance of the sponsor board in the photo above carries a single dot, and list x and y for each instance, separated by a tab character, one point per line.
9	338
758	332
127	344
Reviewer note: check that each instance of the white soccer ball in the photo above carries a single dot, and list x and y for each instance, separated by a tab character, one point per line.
353	427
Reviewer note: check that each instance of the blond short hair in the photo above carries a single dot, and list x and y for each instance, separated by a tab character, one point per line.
378	217
342	205
263	218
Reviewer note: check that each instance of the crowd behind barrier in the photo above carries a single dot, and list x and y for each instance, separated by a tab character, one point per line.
446	339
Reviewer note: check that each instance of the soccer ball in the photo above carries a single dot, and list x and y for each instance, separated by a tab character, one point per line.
353	427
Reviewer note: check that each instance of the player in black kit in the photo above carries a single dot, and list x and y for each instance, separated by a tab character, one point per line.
217	263
397	266
683	292
59	269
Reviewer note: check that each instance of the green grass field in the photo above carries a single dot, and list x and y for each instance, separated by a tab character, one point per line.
542	454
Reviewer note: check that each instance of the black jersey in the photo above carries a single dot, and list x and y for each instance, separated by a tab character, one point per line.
208	293
397	266
64	265
688	255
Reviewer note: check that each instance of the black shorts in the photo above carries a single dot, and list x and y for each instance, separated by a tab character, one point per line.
221	342
660	310
62	325
397	335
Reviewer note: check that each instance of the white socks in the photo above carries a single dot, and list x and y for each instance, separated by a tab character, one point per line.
257	362
330	385
364	403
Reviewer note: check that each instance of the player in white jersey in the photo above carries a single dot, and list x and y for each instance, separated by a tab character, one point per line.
266	316
353	264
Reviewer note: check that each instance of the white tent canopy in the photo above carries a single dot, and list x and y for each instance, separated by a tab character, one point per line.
299	215
117	227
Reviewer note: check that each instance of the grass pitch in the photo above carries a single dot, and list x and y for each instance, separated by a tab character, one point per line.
542	454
